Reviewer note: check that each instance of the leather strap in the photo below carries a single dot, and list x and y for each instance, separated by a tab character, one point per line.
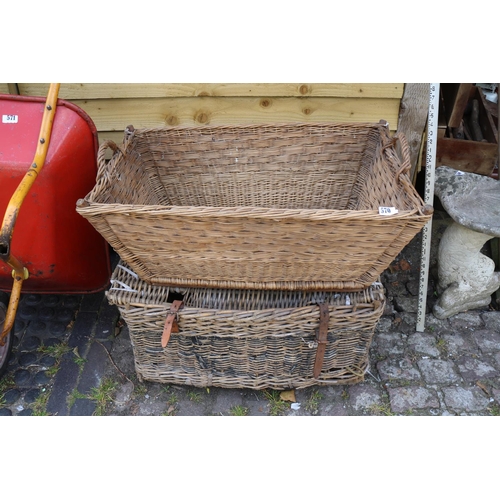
171	322
321	338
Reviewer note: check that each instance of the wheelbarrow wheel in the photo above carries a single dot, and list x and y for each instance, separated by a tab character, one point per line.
5	349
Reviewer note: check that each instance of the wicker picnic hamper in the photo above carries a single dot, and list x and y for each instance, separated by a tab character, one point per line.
292	206
247	338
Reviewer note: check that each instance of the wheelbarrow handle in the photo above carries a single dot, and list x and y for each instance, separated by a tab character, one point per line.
29	178
20	273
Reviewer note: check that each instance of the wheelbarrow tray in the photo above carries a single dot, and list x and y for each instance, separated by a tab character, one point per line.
62	251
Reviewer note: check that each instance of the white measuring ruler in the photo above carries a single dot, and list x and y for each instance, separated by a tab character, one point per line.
430	167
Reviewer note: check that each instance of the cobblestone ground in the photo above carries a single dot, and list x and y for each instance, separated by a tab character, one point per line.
73	356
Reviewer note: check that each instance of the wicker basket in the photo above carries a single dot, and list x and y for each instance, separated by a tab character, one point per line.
291	207
247	338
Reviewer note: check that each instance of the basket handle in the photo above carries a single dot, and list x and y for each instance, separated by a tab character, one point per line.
405	153
102	152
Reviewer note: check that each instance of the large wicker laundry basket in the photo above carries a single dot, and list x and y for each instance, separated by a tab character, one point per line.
295	206
247	338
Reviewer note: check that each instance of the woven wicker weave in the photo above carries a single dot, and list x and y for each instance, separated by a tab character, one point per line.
244	338
257	206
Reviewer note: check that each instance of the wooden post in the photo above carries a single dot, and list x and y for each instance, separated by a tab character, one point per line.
413	117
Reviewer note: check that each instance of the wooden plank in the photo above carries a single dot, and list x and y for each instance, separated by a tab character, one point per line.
468	156
116	114
74	91
413	117
456	96
4	88
486	122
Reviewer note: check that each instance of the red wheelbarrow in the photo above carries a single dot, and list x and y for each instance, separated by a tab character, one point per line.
54	250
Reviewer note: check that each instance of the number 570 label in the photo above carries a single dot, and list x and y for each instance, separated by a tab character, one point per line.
10	118
387	210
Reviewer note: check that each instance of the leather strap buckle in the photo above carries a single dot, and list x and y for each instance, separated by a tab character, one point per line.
171	325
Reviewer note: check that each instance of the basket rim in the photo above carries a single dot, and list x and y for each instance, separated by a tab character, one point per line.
87	205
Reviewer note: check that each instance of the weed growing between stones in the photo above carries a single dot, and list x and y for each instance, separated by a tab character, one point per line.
238	411
312	405
140	390
194	396
6	383
277	406
442	345
79	360
102	395
494	410
75	394
39	406
381	409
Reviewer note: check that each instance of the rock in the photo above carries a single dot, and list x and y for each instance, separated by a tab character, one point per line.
467	278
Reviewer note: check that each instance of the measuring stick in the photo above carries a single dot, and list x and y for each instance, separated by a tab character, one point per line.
430	166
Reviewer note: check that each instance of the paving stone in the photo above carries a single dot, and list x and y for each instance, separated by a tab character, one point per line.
413	287
383	325
154	407
424	343
36	327
31	395
410	321
19	325
435	325
52	341
496	394
5	412
47	361
27	412
363	396
83	407
225	400
94	369
387	344
335	410
466	320
92	302
51	300
22	377
32	299
403	399
458	398
64	315
72	301
27	359
459	343
11	396
186	407
46	313
124	393
487	340
256	408
105	327
82	330
496	357
473	369
397	369
26	312
406	304
65	381
57	329
437	371
492	320
30	343
41	378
